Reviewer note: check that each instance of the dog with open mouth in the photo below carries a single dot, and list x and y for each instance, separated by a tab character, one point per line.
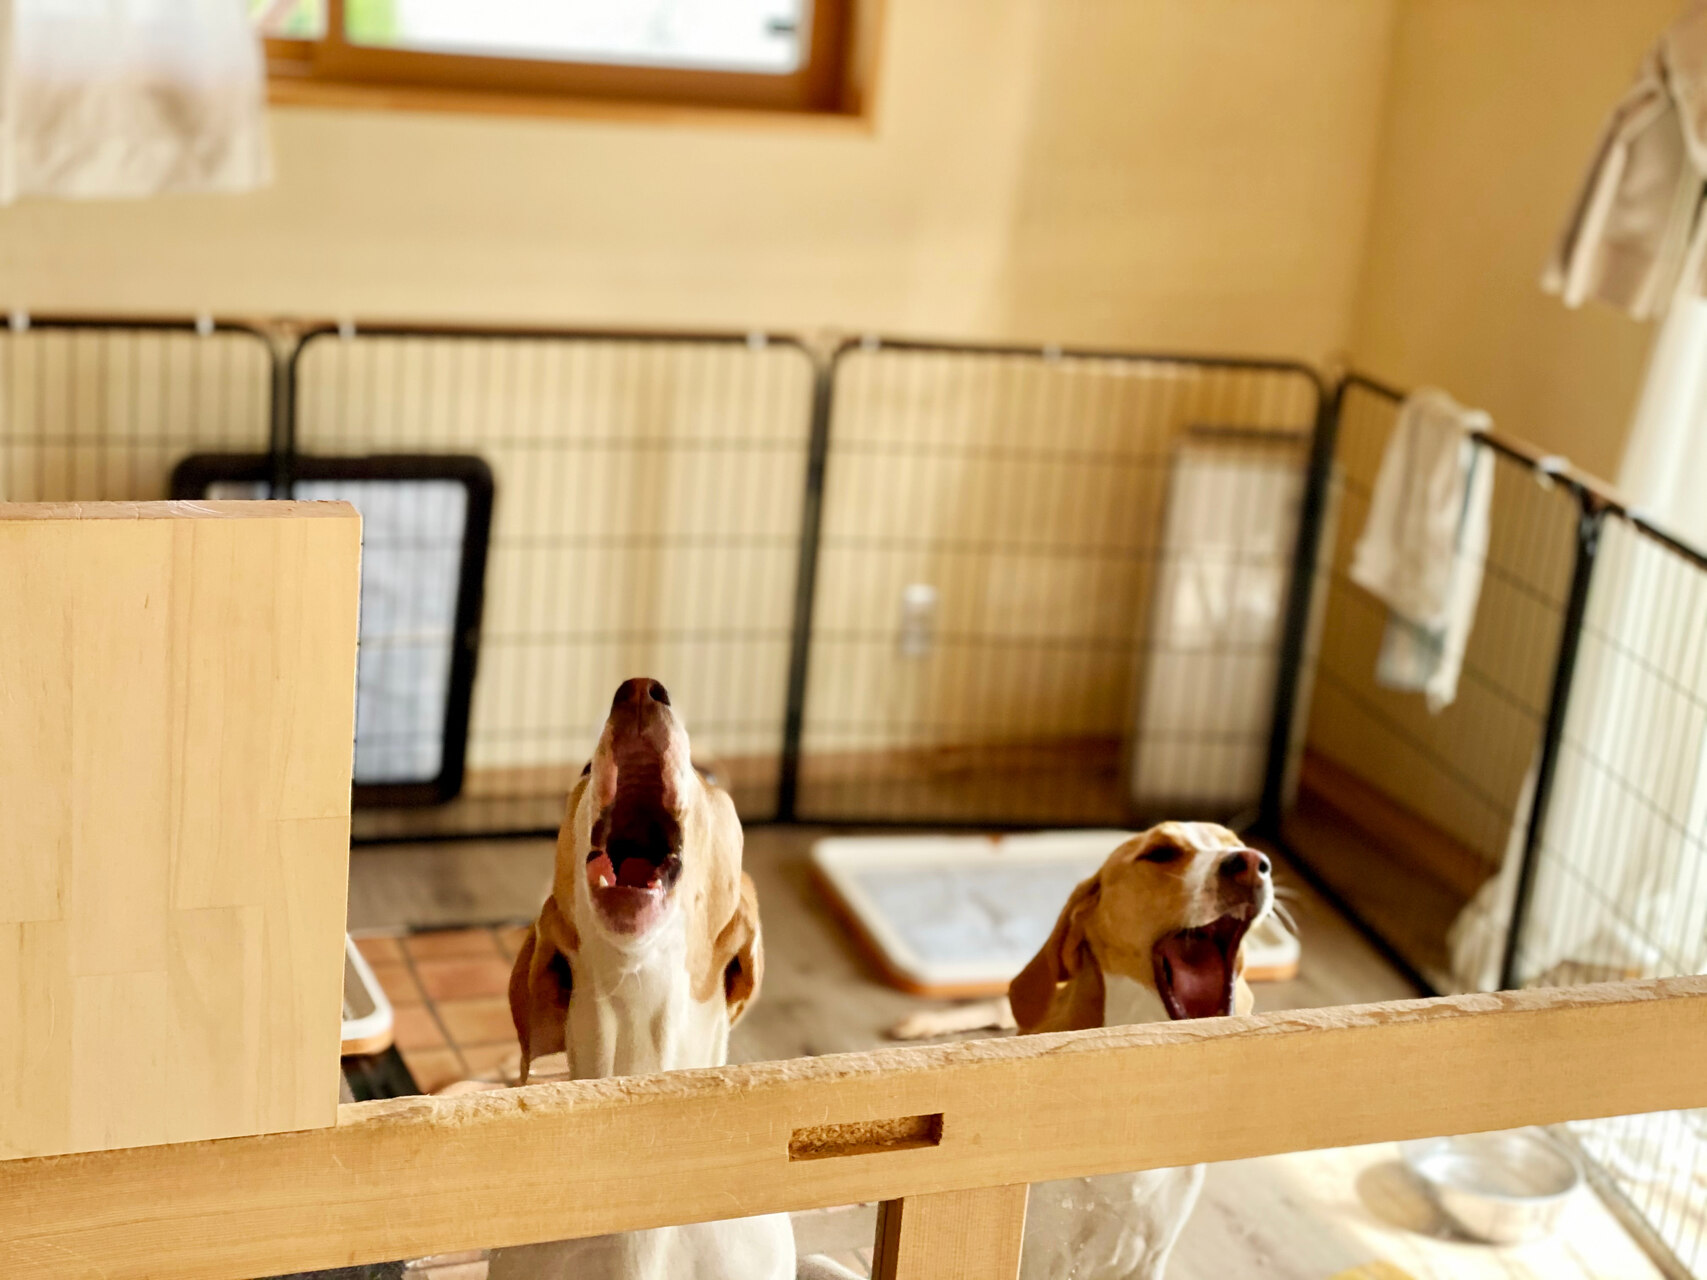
1155	934
645	954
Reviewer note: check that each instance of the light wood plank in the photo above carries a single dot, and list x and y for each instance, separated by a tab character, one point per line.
952	1235
35	986
551	1161
178	683
36	743
118	585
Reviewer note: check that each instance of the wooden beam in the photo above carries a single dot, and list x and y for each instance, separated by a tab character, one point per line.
413	1176
951	1235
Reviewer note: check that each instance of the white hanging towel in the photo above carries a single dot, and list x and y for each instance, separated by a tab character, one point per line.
1635	235
1424	542
122	98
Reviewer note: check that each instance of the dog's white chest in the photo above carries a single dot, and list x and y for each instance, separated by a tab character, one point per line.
760	1248
1121	1226
1127	1001
635	1013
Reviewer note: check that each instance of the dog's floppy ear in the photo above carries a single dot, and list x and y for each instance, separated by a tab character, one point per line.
739	952
540	983
1036	993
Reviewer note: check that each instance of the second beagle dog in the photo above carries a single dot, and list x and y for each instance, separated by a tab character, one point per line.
1154	934
643	957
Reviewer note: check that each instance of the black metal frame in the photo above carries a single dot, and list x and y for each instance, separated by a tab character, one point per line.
192	477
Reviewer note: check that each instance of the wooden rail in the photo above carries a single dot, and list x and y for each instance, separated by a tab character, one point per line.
412	1176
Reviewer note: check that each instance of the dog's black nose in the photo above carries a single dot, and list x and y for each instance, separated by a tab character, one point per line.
640	690
1245	864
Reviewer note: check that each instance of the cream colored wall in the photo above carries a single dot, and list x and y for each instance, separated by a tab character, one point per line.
1493	111
1494	108
1159	172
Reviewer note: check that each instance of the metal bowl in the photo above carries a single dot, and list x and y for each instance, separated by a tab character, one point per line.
1499	1187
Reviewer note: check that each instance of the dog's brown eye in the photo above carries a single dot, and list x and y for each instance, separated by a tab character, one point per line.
1162	853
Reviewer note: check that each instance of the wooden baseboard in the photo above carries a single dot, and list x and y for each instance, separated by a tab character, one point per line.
961	760
1056	780
1400	831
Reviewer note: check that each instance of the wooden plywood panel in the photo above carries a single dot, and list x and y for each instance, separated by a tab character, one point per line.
177	686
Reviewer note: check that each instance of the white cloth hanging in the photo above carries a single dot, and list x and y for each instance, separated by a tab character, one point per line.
126	98
1424	542
1634	224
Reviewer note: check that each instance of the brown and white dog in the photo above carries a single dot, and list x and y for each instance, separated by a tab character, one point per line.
1154	934
644	956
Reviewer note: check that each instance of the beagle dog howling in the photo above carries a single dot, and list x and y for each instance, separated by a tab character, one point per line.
1154	934
643	957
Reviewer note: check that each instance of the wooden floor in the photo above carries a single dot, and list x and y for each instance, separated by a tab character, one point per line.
1342	1215
820	996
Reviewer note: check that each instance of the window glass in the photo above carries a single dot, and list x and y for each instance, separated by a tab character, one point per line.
764	36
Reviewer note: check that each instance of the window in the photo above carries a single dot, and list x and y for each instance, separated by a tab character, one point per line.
772	54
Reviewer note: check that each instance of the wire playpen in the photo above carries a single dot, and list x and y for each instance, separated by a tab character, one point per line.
934	584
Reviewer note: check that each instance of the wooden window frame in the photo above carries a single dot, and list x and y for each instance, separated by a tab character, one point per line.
330	70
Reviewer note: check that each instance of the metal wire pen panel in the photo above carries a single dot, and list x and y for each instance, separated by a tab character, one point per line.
1405	813
102	411
1550	825
1620	885
646	521
1619	879
1048	584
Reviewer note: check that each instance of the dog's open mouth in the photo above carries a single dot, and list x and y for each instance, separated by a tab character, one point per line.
1194	968
637	843
630	870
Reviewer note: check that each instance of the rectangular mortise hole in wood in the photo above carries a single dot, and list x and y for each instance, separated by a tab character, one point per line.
862	1137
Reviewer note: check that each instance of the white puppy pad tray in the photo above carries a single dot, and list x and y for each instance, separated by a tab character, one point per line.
960	915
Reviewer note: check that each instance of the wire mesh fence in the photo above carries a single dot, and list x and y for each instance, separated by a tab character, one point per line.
1618	887
1441	795
1049	584
97	410
1547	828
647	519
934	584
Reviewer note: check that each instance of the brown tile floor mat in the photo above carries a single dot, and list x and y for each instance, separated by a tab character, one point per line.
448	991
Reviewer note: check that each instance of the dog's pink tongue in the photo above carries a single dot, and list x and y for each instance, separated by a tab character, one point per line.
1191	974
637	873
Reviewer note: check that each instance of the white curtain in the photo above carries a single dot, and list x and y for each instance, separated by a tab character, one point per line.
123	98
1621	885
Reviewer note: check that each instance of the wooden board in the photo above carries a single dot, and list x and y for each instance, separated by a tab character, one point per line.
951	1235
177	683
421	1175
